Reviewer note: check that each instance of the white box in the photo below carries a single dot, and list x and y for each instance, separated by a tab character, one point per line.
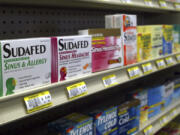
71	57
127	25
25	63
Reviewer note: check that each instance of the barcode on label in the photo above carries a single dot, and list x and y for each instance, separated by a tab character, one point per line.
128	1
169	61
148	130
177	5
163	3
148	2
77	90
147	67
109	80
134	72
160	63
178	58
38	101
34	103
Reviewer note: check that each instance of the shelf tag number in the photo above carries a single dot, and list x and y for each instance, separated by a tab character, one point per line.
77	90
147	68
163	3
160	64
169	61
134	72
148	130
109	80
38	101
148	2
178	57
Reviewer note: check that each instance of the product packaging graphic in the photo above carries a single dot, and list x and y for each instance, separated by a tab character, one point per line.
167	39
72	124
107	50
105	121
24	63
71	57
176	38
127	25
157	43
128	117
144	43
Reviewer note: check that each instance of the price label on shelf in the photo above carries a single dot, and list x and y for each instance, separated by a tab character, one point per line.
163	3
173	113
77	90
148	2
177	6
160	64
38	101
134	72
127	1
169	61
163	120
148	130
147	68
178	57
109	80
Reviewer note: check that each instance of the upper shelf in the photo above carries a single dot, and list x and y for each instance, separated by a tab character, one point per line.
13	106
135	5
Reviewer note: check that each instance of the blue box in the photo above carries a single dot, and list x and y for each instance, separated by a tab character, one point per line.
155	100
73	124
128	117
105	121
154	111
155	95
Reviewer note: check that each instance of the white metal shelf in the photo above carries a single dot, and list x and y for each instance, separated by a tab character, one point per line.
138	5
13	108
156	121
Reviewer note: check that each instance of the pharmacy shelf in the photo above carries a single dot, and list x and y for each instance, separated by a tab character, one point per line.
138	5
13	107
162	119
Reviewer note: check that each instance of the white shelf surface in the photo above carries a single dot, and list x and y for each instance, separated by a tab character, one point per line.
12	107
138	5
156	121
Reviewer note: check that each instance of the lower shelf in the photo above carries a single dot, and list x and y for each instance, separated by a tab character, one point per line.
156	123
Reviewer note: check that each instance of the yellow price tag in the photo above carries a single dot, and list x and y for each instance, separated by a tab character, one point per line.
148	2
163	120
109	80
38	101
169	61
178	57
147	68
160	64
77	90
173	113
177	6
127	1
148	130
163	3
134	72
